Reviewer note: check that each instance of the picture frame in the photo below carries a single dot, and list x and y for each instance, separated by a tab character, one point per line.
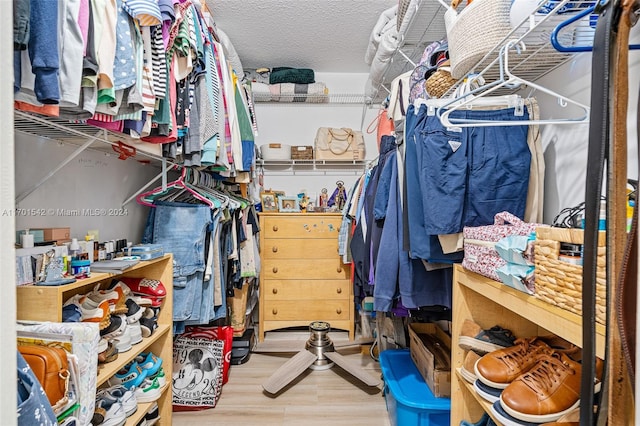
288	204
269	202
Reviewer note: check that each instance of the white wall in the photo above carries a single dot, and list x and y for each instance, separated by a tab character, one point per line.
297	123
91	181
565	146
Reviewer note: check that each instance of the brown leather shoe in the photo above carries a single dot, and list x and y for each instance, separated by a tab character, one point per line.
572	418
499	368
467	370
547	391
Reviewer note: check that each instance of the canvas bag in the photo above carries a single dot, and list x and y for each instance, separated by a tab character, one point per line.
201	360
339	144
480	255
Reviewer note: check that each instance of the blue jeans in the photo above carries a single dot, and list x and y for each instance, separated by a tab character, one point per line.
469	175
181	228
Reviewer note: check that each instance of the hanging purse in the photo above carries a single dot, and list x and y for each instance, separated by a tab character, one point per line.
339	144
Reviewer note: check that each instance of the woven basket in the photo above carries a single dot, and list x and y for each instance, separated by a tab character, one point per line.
472	33
302	153
439	82
560	283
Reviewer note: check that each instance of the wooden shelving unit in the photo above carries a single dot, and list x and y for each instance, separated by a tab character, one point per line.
44	303
488	303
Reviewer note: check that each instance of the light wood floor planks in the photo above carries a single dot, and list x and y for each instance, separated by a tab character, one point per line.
330	397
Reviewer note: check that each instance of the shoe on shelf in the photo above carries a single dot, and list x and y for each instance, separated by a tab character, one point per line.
129	376
572	418
135	332
499	368
473	337
108	355
121	394
148	326
134	311
103	345
467	370
547	391
116	327
505	419
71	313
485	420
487	392
115	298
100	314
149	362
145	287
160	376
123	341
153	415
114	414
148	391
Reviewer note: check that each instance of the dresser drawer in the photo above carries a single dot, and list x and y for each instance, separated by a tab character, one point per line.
317	290
289	248
307	310
302	226
305	269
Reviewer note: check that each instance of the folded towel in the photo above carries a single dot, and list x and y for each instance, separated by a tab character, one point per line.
291	75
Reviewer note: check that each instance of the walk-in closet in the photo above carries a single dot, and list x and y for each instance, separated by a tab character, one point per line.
381	212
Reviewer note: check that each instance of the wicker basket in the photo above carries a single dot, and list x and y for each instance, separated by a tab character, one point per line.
472	33
439	82
560	283
302	153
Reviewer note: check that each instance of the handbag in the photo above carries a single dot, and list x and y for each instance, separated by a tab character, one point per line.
33	407
339	144
51	367
480	254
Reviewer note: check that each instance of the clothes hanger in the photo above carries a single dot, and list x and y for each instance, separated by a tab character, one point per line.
178	183
507	80
555	42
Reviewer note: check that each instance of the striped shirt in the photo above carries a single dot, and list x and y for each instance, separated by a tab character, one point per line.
147	12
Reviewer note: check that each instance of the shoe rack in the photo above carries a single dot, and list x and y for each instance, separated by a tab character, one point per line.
44	303
490	303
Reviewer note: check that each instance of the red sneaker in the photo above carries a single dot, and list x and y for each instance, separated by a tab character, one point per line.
145	287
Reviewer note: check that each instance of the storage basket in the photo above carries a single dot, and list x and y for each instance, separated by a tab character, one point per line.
439	82
302	153
472	33
275	152
560	283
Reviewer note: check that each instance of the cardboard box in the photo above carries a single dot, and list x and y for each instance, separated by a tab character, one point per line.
55	234
434	368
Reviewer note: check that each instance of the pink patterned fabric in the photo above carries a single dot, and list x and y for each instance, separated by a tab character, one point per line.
480	255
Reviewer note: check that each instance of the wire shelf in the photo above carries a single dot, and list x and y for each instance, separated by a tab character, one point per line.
302	99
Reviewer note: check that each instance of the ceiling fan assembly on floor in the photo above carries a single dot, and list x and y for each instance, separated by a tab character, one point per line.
318	354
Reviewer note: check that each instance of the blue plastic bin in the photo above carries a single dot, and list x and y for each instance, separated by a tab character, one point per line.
409	400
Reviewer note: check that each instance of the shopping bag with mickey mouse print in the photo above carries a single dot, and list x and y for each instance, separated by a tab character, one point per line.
201	358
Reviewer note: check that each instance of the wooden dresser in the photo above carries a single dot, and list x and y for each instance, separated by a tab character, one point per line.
302	277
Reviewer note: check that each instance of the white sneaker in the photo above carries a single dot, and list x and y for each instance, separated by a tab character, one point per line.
115	414
123	341
148	391
121	394
135	332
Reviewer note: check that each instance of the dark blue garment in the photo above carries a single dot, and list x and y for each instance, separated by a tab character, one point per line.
399	276
43	50
422	245
469	174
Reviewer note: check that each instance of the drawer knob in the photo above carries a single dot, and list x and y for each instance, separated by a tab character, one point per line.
274	249
339	290
274	311
275	291
275	228
338	311
275	269
339	269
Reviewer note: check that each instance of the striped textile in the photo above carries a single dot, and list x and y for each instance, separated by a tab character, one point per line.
147	12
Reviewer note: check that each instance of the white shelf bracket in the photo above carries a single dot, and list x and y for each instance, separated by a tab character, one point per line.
67	160
162	175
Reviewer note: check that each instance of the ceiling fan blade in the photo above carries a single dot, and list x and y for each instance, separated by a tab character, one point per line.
279	346
359	342
289	371
353	368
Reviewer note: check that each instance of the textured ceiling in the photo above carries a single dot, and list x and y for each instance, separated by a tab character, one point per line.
325	35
